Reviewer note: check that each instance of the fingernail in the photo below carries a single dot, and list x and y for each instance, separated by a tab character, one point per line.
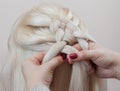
73	56
63	55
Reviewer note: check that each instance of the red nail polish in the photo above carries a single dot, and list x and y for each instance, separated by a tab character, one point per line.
73	56
63	55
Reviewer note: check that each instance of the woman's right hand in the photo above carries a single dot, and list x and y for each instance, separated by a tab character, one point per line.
106	62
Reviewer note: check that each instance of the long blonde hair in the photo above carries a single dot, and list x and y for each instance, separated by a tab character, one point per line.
51	28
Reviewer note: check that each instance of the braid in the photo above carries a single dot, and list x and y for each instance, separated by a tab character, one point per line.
54	29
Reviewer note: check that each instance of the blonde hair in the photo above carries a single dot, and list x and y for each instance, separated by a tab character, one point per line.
51	28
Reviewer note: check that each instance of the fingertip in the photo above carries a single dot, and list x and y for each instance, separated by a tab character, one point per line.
55	62
73	57
60	59
77	46
68	60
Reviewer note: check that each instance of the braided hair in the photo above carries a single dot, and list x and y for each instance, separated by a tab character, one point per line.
51	28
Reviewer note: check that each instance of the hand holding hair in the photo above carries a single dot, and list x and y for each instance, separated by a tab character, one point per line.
55	29
101	61
36	73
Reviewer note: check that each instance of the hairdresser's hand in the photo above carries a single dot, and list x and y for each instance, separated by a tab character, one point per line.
106	62
36	73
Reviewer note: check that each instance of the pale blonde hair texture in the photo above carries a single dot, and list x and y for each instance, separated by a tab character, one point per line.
52	28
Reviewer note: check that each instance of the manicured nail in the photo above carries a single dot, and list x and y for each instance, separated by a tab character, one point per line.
73	56
63	55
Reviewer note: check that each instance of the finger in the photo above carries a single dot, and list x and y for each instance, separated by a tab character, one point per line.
37	59
77	46
93	45
90	69
105	73
55	62
82	55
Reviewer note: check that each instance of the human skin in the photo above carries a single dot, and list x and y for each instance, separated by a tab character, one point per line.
36	73
106	62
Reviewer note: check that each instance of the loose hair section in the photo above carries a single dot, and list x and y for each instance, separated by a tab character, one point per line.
51	28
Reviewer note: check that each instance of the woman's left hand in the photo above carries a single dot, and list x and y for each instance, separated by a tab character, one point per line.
36	73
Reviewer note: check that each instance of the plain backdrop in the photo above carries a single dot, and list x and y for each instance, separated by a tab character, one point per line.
102	18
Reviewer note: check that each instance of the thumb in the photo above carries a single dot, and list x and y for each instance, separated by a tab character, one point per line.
55	62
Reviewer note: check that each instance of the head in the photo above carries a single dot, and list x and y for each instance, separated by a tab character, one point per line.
54	29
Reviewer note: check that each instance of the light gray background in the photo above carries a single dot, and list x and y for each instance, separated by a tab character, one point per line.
102	18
